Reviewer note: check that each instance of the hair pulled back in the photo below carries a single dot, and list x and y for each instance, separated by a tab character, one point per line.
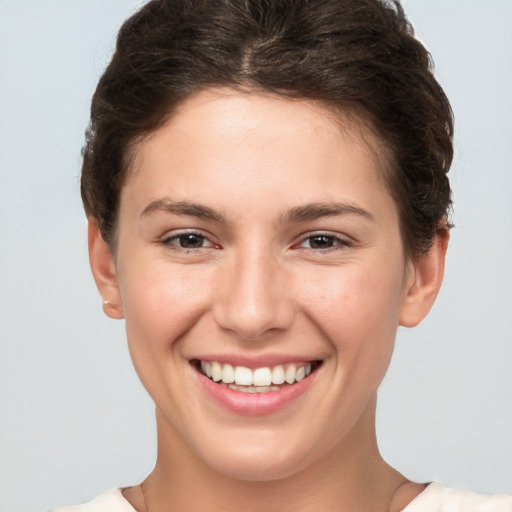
353	55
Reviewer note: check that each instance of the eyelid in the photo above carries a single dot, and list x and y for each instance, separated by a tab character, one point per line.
174	235
342	240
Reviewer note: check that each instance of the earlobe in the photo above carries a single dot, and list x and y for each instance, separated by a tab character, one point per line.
103	268
424	280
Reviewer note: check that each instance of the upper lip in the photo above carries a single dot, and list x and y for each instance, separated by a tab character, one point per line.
255	361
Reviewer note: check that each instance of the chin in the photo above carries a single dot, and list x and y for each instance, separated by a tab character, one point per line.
258	461
257	470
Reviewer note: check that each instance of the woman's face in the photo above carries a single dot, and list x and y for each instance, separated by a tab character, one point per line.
257	241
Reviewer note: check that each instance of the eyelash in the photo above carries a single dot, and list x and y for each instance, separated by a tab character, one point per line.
174	241
336	241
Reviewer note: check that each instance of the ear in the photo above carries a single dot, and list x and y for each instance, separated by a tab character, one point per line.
424	278
103	268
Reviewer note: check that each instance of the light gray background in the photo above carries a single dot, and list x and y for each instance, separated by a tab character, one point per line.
74	421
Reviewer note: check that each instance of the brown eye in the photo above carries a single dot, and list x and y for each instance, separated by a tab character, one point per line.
187	241
190	241
322	242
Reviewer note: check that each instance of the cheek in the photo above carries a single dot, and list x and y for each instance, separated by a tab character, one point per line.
360	295
161	304
357	310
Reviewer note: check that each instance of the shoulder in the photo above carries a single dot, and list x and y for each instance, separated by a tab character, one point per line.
111	501
438	498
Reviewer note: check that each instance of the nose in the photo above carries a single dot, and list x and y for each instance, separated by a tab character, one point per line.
254	298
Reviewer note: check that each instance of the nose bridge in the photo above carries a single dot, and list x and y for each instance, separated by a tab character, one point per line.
254	298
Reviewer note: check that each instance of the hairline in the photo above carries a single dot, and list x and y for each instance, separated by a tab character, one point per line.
349	119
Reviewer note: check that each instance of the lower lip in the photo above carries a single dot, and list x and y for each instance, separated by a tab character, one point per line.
255	404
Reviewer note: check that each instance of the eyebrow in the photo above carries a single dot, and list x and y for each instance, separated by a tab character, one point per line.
314	211
182	208
303	213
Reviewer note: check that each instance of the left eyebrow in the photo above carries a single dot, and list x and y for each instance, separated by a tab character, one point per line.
314	211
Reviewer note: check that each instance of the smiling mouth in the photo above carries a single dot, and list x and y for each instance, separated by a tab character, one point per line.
257	380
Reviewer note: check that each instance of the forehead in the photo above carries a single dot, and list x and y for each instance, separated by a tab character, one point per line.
260	144
209	108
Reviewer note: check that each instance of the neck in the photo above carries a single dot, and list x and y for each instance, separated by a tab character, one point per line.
352	477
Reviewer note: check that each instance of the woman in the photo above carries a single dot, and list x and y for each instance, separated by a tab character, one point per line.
267	197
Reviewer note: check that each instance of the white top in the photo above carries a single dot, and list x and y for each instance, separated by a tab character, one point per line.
435	498
438	498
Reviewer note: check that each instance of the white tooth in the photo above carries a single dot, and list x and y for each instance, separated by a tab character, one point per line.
216	371
263	389
208	369
308	368
278	375
289	374
243	376
233	386
274	388
301	373
249	389
262	377
228	374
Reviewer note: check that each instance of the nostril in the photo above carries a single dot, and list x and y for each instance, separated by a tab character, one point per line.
253	324
253	298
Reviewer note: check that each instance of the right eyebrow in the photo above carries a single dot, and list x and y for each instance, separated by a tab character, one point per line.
182	208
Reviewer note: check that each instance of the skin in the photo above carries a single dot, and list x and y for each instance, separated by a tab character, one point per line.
259	279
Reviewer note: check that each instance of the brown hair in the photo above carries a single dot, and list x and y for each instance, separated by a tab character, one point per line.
353	55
